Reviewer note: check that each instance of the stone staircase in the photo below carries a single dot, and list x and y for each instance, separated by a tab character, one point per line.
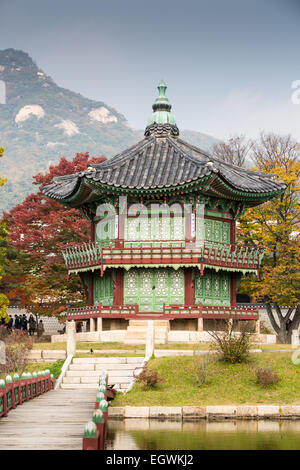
137	331
84	372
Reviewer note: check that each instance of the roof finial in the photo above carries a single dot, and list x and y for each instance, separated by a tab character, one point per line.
162	109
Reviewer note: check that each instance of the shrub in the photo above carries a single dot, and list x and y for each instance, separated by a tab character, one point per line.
17	347
232	346
267	376
201	365
148	378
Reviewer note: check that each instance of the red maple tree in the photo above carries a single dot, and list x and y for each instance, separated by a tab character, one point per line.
37	230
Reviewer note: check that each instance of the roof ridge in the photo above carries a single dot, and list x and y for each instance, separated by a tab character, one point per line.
230	165
125	153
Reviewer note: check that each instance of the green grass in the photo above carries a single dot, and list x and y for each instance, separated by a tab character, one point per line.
83	345
227	383
54	367
130	354
141	347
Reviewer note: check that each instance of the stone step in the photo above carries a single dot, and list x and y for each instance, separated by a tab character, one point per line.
137	329
94	386
99	367
106	360
95	380
95	373
142	341
144	323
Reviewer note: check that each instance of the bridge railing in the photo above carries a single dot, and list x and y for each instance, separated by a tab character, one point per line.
15	390
96	430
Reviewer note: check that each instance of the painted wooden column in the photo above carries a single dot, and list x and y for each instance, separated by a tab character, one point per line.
190	227
233	275
93	231
91	288
119	239
118	287
232	231
233	290
189	287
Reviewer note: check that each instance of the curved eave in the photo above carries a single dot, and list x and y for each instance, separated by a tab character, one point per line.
87	190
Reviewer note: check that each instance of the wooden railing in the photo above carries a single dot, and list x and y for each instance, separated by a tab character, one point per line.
176	252
170	312
95	431
15	390
105	311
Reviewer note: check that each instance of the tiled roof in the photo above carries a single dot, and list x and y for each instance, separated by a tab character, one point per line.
163	161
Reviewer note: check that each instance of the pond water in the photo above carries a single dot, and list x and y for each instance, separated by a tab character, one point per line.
139	434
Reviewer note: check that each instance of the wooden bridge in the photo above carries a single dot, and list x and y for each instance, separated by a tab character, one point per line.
52	421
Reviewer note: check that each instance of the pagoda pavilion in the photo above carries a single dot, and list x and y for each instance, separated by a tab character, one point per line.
163	219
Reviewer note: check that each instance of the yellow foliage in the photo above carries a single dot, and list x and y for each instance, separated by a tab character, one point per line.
275	225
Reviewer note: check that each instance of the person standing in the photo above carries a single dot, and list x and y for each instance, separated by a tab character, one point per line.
10	323
24	322
40	328
32	325
17	322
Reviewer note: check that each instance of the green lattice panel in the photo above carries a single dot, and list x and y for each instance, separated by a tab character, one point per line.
214	230
155	229
151	288
213	288
105	231
103	288
9	399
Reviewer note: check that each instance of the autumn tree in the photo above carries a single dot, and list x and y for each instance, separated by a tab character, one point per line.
235	150
275	225
3	234
37	231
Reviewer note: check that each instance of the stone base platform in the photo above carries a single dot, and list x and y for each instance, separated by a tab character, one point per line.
137	335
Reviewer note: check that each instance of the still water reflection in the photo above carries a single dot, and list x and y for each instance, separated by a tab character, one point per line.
139	434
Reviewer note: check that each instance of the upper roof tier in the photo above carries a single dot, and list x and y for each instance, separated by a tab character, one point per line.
163	163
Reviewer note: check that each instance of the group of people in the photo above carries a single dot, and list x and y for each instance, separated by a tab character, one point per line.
20	322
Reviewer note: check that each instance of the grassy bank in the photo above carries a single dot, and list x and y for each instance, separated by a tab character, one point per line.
227	383
54	367
141	347
125	354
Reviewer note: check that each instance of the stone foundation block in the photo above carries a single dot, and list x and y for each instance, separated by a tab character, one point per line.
193	412
220	411
54	354
169	412
268	411
35	354
116	412
246	411
136	412
290	410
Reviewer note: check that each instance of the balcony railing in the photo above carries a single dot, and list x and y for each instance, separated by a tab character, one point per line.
88	255
170	312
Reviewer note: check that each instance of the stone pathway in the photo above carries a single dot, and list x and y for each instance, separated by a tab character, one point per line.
53	421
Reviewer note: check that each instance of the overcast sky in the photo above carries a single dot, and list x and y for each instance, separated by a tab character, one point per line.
229	64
